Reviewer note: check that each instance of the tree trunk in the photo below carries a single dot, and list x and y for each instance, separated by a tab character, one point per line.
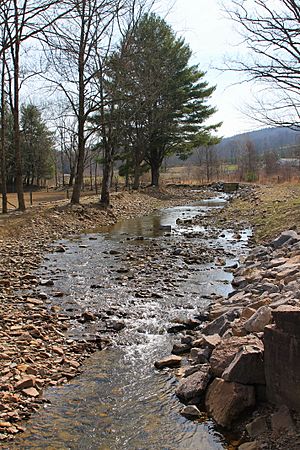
106	180
91	177
136	177
96	170
155	175
81	118
16	117
62	167
3	140
72	176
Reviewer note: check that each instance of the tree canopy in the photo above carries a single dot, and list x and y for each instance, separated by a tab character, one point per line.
270	32
164	99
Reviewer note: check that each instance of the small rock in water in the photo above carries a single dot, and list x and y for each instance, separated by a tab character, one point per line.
47	283
60	249
87	316
116	325
190	411
169	361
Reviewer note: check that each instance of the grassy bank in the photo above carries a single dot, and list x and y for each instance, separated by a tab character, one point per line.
269	209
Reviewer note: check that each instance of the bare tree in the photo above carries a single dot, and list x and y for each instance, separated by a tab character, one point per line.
249	162
3	125
78	47
270	31
21	21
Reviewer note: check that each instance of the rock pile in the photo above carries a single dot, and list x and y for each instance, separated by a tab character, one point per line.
248	352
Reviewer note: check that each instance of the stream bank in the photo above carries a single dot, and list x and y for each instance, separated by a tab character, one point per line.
34	350
149	280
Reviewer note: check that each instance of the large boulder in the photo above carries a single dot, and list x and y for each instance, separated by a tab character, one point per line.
225	352
221	324
259	320
226	401
289	237
282	358
247	367
192	388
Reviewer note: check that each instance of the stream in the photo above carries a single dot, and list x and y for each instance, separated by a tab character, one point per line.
139	279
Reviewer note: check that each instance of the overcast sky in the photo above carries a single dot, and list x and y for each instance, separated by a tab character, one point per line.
212	38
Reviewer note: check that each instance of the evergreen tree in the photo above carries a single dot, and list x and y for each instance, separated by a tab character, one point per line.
163	97
37	146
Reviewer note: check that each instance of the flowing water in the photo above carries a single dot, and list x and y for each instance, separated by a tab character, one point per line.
147	278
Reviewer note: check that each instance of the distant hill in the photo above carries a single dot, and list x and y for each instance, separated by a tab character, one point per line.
276	139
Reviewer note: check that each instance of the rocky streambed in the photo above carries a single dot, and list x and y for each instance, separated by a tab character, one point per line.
129	290
242	365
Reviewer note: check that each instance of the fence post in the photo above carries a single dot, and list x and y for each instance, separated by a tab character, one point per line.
30	196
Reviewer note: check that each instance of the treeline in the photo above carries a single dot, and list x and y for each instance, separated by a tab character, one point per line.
121	82
37	146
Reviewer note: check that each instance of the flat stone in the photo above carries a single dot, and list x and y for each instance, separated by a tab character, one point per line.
259	320
225	352
257	427
281	421
287	237
192	388
287	319
247	367
190	411
249	446
282	367
287	273
221	324
179	349
276	262
211	341
31	392
169	361
226	401
25	383
58	350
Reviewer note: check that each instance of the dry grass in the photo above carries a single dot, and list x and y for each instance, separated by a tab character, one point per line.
271	210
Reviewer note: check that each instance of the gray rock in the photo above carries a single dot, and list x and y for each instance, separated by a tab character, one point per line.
281	421
200	355
191	369
270	288
169	361
190	411
192	388
179	349
226	401
257	427
221	324
287	237
247	367
259	320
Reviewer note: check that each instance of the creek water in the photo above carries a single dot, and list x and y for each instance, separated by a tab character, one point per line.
139	273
